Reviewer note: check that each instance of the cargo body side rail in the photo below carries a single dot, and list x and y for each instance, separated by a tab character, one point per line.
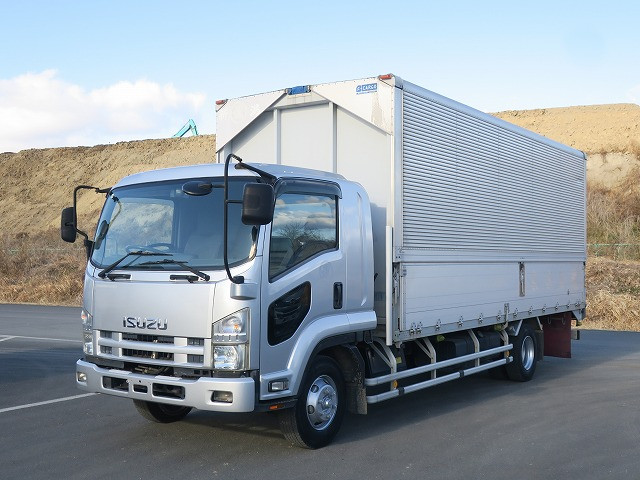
397	391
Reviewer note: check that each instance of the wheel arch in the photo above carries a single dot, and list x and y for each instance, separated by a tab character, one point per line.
342	349
351	364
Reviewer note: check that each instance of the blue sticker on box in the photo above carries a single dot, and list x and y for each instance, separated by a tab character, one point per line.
366	88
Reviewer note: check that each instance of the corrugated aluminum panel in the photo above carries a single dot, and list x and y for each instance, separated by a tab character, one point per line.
471	184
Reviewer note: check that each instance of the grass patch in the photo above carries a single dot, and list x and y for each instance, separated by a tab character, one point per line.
41	269
613	294
613	218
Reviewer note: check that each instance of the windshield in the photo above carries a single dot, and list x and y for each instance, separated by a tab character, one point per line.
160	218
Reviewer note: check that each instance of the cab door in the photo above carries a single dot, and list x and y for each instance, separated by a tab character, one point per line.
304	268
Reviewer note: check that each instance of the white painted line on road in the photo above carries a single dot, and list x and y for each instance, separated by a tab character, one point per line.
41	338
37	404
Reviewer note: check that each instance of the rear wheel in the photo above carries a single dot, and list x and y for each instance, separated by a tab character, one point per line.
160	412
524	354
316	418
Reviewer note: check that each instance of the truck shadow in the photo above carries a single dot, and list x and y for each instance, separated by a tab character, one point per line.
252	424
478	397
482	398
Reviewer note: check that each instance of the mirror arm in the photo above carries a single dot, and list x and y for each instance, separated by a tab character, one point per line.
238	279
267	176
88	244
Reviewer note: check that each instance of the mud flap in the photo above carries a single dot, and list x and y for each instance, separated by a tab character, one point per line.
539	344
557	335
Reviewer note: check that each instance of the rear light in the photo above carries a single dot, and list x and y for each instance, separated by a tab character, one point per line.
386	76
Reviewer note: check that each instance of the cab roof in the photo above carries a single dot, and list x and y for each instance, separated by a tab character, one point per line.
217	170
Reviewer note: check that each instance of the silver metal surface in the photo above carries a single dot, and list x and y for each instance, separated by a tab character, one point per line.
389	285
322	402
288	362
471	183
528	352
436	381
370	382
351	264
153	349
197	392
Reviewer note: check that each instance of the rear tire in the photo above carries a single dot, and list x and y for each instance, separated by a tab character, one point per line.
160	412
317	415
525	355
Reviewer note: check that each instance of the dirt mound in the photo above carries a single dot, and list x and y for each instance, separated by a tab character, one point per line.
608	134
37	184
592	129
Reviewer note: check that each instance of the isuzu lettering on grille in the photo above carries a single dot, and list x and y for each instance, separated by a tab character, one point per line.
144	323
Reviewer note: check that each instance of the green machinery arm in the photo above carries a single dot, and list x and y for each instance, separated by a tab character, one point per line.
190	125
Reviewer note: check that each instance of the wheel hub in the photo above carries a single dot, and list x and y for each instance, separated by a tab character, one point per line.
528	353
322	402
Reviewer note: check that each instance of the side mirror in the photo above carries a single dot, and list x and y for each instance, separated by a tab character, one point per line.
68	225
257	204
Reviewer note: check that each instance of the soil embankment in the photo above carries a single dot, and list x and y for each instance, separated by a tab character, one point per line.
36	266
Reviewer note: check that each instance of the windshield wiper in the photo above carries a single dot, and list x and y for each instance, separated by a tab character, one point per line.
171	261
104	272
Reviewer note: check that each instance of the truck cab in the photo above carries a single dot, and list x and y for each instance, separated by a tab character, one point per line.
165	325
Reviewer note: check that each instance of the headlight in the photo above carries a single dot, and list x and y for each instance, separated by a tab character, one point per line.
232	329
229	357
229	343
87	332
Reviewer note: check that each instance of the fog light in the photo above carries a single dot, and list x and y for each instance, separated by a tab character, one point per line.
278	385
221	396
81	377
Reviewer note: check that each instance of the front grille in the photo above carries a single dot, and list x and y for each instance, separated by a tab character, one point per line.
128	352
137	337
154	350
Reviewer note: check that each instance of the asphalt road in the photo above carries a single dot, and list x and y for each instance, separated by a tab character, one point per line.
577	419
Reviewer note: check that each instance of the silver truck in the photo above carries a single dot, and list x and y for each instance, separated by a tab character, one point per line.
353	242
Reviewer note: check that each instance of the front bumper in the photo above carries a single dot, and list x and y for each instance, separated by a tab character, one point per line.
196	393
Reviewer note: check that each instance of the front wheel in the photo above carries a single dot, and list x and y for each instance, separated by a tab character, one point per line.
524	354
317	415
160	412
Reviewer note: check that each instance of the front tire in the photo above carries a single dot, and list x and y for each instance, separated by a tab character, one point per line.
525	355
317	415
160	412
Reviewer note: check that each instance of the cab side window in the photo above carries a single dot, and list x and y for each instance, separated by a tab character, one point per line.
303	226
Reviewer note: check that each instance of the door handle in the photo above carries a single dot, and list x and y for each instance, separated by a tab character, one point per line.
337	295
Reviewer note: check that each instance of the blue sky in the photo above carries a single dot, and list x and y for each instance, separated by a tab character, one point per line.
89	72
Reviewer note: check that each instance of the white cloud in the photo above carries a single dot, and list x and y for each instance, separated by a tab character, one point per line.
41	110
634	94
